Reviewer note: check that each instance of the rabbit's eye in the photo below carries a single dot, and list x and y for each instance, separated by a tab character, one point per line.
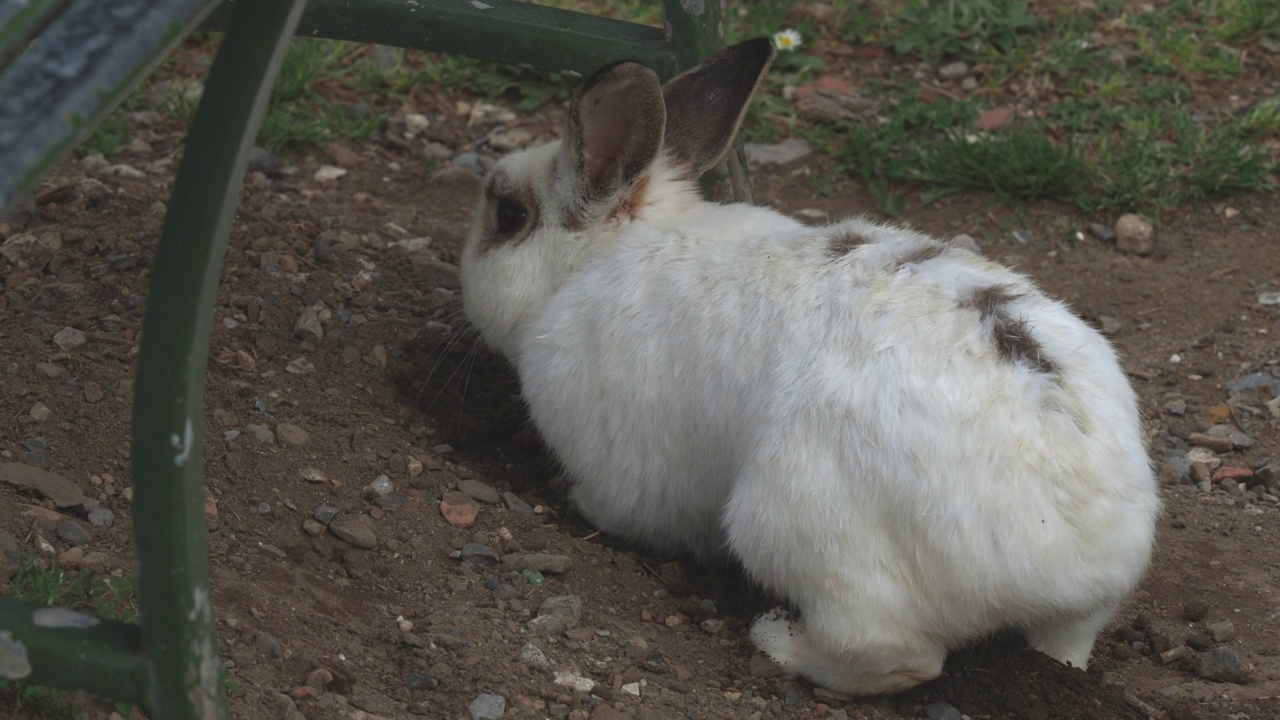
511	215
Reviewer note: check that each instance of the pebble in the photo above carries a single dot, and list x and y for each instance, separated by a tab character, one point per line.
540	562
1200	641
325	514
70	532
329	173
355	530
573	681
762	667
93	392
533	655
1134	234
313	527
416	123
1231	473
101	517
49	370
1256	381
471	161
1102	232
968	242
568	607
1222	665
40	412
481	491
414	681
290	434
1212	442
60	490
1222	632
513	502
37	451
507	140
548	625
262	160
487	706
261	433
11	557
778	153
954	70
459	510
69	338
1269	298
308	325
380	486
24	249
478	554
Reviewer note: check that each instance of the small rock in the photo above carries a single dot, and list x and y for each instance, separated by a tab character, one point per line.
1134	234
290	434
478	554
93	392
1256	381
1269	298
101	517
1200	641
416	123
325	514
329	173
1102	232
508	140
308	326
354	529
40	412
481	491
262	160
261	433
1212	442
459	510
1222	665
311	474
29	251
968	242
377	356
573	681
69	338
548	625
1110	324
954	70
778	153
513	502
61	491
313	527
531	654
49	370
568	607
1222	632
70	532
380	486
762	667
414	681
541	562
941	711
1231	473
487	706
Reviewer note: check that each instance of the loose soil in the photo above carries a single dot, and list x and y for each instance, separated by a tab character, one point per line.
399	386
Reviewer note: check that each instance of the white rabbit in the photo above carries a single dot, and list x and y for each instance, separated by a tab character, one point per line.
908	442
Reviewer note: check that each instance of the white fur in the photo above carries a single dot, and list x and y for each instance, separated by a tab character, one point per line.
715	381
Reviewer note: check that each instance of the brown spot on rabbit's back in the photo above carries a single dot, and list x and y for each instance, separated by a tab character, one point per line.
922	254
632	201
844	242
1010	334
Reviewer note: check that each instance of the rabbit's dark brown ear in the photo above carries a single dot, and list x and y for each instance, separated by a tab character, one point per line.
615	128
705	105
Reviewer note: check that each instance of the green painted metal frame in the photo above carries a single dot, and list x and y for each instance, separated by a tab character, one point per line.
168	663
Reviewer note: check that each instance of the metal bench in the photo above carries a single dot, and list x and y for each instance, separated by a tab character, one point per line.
64	65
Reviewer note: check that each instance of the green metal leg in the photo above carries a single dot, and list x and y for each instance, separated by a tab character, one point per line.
695	30
168	463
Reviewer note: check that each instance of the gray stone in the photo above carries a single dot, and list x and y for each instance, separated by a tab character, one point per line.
477	490
513	502
505	141
542	562
69	338
531	654
261	433
568	607
762	667
325	514
968	242
1256	381
778	153
1222	632
1175	469
1222	665
487	706
380	486
290	434
70	532
478	554
1135	235
101	517
308	326
1102	232
954	70
355	530
10	557
60	490
548	625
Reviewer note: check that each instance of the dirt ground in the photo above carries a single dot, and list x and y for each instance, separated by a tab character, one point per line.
340	356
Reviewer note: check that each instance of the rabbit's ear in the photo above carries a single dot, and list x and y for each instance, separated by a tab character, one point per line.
615	128
705	105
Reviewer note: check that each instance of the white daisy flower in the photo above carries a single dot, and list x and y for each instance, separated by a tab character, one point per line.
787	39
